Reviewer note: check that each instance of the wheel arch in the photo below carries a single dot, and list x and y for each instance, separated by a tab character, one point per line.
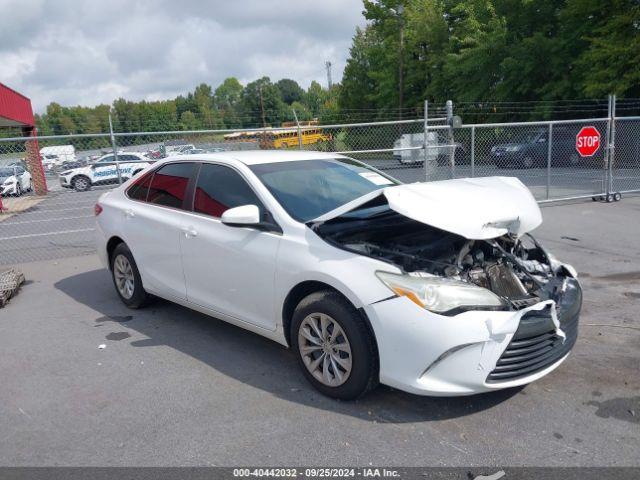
305	288
113	242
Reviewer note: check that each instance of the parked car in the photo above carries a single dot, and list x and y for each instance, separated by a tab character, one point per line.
104	171
531	150
14	180
54	155
432	288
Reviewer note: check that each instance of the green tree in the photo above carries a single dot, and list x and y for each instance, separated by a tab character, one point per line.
261	102
289	90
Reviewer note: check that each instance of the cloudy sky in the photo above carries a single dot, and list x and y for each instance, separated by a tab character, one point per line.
89	52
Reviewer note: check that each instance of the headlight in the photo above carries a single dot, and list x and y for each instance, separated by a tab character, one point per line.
514	148
9	181
440	295
64	174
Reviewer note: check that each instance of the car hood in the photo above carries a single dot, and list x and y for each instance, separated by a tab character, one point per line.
4	179
475	208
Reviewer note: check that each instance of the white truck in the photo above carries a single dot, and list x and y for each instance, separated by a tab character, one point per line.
104	171
54	155
412	140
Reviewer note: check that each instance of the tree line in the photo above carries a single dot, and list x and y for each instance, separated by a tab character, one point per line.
522	57
231	105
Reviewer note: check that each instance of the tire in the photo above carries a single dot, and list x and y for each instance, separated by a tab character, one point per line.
122	263
81	183
610	198
617	197
527	162
358	353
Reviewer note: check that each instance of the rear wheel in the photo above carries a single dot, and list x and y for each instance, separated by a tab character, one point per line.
126	278
334	347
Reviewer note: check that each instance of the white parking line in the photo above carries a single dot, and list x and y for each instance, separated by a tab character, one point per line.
62	232
3	224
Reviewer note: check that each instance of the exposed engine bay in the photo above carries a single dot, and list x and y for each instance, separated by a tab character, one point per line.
516	269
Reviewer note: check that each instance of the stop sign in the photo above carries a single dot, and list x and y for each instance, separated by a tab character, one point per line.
588	141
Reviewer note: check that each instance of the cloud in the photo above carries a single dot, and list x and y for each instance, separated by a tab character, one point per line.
84	52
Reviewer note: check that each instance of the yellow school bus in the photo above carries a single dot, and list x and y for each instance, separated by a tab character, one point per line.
286	137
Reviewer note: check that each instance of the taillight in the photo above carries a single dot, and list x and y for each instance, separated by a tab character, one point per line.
97	209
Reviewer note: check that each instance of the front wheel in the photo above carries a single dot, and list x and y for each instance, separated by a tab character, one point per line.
333	346
81	184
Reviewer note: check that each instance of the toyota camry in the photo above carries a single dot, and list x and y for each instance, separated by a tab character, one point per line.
434	288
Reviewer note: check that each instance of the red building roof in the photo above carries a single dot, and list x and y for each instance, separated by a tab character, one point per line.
15	109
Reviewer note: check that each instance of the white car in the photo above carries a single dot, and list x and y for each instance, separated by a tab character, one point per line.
14	180
104	171
432	288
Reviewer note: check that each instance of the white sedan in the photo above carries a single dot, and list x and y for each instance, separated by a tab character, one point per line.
14	180
433	288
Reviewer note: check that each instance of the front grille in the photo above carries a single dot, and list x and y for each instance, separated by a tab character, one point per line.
535	345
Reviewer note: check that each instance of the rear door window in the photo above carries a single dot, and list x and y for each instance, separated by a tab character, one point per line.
169	184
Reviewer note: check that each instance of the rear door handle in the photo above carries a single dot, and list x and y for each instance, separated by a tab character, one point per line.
189	232
129	213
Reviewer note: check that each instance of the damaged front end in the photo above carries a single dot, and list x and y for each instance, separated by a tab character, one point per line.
518	270
518	304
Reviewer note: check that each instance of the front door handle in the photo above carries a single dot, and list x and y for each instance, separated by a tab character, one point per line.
189	232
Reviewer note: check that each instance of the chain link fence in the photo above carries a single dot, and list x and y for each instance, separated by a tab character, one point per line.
49	185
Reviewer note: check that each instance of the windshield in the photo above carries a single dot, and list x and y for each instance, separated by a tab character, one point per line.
307	189
6	172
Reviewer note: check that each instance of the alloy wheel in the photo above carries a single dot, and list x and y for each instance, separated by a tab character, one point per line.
325	349
81	184
123	274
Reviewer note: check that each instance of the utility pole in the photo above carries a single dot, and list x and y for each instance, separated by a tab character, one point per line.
400	11
264	121
327	64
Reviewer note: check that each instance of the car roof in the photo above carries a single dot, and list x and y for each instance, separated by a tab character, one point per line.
255	157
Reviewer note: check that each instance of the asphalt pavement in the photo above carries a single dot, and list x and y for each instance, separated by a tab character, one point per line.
176	388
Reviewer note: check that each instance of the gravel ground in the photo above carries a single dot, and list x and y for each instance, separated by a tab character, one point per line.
174	387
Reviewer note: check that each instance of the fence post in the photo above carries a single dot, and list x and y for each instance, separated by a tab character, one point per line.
295	116
428	171
452	150
549	153
607	151
473	151
612	146
115	150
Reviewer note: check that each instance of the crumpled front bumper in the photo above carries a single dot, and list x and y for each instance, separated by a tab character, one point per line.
429	354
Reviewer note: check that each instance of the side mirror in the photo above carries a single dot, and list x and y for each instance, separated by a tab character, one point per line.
244	215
